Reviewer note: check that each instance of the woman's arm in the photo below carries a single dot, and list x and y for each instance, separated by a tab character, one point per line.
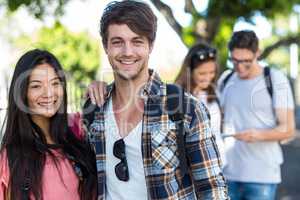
4	176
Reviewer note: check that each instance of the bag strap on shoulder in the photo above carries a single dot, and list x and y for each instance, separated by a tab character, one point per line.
225	80
176	110
268	80
267	77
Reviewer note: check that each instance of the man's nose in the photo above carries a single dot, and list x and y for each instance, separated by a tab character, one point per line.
238	64
128	49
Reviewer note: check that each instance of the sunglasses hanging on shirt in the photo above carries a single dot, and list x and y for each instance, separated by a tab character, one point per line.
121	169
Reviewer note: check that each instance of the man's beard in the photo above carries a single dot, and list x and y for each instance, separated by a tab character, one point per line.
131	77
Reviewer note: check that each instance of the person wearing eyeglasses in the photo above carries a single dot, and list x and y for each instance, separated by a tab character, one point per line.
260	119
198	76
136	142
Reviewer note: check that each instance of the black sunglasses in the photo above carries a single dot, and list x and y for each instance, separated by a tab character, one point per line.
206	54
121	169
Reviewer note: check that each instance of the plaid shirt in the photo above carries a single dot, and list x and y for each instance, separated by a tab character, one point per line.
159	149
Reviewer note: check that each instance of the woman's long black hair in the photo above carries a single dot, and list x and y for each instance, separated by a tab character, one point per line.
25	142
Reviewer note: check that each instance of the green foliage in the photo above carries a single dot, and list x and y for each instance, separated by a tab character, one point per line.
187	36
78	53
220	42
213	25
220	16
246	8
38	8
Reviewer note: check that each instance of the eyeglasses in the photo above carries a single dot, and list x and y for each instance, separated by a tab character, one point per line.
242	62
121	169
206	54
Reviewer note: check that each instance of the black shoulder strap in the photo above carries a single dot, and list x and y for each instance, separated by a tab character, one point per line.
268	80
267	76
225	80
176	111
175	101
88	112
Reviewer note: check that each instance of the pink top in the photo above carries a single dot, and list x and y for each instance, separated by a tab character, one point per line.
54	187
75	123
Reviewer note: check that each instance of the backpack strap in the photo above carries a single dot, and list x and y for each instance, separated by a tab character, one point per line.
268	80
225	80
267	76
176	111
88	114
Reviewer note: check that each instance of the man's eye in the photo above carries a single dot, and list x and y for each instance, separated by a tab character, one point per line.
116	42
138	42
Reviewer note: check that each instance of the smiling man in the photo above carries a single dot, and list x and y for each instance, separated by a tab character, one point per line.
258	106
135	141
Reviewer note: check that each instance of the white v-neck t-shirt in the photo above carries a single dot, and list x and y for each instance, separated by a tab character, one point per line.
135	188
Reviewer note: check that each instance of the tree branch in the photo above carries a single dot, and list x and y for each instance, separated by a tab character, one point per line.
189	7
166	11
281	42
212	28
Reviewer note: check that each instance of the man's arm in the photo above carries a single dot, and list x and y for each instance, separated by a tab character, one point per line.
283	104
284	130
204	157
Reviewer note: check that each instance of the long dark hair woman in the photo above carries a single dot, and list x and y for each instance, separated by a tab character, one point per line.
40	157
198	75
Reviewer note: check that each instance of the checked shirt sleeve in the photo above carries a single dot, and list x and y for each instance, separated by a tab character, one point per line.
204	156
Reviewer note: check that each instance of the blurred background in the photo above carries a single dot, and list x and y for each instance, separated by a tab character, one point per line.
69	29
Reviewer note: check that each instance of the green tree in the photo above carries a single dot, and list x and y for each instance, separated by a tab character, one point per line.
78	53
39	8
215	24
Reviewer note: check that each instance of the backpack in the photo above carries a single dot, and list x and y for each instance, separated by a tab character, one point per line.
176	111
267	77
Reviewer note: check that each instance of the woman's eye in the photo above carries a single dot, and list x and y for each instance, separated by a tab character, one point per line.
56	83
34	86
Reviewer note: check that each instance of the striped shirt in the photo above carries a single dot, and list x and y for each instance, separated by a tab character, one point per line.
159	148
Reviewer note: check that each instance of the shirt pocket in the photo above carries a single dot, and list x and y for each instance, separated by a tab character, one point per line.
164	147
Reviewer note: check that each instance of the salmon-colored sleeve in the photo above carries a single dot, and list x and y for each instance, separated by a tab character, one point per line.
4	175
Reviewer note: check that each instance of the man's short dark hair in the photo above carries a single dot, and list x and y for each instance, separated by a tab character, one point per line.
138	16
245	39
